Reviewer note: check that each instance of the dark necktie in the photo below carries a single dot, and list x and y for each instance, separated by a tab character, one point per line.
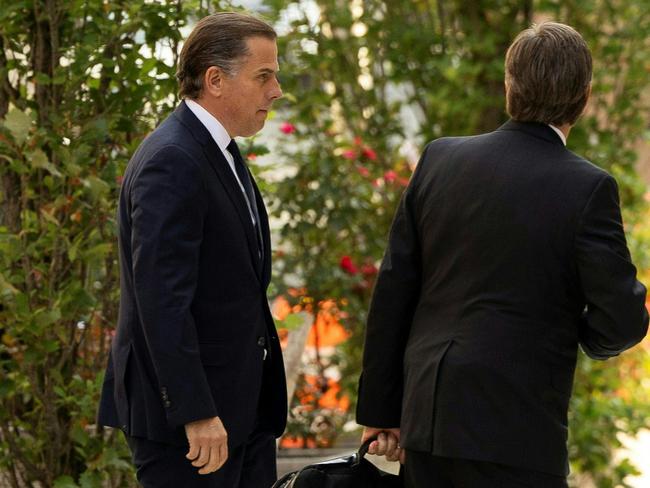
245	179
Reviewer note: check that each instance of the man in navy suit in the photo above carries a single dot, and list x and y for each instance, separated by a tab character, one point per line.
195	377
506	253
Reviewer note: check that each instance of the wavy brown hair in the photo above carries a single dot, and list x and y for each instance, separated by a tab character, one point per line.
548	74
217	40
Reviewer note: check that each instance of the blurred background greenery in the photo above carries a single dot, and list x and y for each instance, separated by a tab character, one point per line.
367	83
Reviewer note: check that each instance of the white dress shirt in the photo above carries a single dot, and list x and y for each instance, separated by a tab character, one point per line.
221	137
559	133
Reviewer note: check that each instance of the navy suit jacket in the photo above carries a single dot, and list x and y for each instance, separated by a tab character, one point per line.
194	318
507	251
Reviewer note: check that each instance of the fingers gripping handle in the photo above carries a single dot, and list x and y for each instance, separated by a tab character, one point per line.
363	449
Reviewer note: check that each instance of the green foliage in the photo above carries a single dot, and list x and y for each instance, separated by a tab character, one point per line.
608	402
381	74
81	83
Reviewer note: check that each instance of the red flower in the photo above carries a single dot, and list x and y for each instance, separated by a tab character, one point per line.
363	171
390	176
347	265
403	181
349	154
368	269
357	141
287	127
251	156
369	153
119	179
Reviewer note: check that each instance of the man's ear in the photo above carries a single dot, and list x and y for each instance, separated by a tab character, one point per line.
213	81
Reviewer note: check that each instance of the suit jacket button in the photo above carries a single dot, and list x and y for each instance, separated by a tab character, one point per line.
168	404
261	341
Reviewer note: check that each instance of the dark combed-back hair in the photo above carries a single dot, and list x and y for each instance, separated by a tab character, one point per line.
548	74
217	40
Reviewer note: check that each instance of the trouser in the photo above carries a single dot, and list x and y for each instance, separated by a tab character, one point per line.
251	465
422	470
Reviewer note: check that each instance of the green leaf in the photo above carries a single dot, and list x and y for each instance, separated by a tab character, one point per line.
6	288
16	165
59	390
22	304
50	346
72	251
73	169
39	160
90	479
44	318
96	187
6	387
42	78
18	123
292	321
77	298
65	482
49	217
79	435
111	458
98	252
147	66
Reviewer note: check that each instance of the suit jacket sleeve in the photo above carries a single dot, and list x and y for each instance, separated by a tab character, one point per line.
168	205
615	317
391	311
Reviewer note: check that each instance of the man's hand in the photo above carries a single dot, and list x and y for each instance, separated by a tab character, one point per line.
208	444
387	443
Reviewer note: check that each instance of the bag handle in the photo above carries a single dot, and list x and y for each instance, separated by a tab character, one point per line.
363	450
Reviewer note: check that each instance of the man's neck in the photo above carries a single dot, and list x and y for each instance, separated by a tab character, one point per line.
565	129
562	131
214	112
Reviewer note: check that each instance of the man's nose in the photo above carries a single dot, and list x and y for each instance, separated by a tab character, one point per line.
276	90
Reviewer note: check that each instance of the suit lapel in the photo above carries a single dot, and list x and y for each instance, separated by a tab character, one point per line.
263	223
220	166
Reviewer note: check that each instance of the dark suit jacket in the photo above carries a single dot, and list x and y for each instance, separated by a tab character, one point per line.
194	317
506	252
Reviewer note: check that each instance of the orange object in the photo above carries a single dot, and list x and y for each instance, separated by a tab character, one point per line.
280	308
327	331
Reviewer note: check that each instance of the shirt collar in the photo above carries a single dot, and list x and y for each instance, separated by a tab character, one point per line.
559	133
216	130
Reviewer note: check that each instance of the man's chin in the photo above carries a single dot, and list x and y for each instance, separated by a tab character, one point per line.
251	132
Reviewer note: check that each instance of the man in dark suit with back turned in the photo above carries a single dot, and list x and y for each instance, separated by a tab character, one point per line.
195	376
507	251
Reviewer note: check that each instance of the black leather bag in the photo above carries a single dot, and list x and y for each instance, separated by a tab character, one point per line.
350	471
